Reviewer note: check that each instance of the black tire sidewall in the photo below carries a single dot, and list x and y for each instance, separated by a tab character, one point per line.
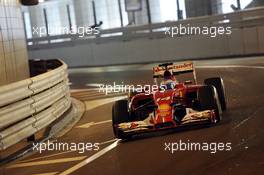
218	83
208	100
120	114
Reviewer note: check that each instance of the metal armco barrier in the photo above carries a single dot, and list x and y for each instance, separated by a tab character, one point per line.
30	105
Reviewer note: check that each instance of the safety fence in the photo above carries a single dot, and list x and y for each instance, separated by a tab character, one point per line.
30	105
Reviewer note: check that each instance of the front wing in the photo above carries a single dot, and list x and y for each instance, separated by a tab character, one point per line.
197	117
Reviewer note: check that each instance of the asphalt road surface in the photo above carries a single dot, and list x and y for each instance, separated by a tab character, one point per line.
242	127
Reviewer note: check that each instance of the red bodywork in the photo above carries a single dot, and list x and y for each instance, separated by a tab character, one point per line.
164	99
159	107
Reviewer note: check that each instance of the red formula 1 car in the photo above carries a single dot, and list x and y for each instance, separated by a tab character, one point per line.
177	102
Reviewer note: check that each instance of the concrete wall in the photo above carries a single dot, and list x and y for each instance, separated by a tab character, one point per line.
242	42
13	52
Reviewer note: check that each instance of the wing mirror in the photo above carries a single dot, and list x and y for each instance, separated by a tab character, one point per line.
29	2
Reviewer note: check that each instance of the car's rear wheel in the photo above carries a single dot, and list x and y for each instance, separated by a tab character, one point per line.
218	83
120	114
208	100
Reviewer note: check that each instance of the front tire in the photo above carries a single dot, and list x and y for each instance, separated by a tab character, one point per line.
208	100
120	114
218	83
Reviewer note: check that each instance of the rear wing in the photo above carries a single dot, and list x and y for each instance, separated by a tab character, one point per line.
175	69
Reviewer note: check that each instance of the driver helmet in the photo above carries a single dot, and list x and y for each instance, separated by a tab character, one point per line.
167	75
169	80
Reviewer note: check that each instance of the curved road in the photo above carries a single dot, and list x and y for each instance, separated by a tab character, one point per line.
242	126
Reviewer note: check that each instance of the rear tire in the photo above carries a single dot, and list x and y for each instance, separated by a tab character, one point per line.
120	114
218	83
208	100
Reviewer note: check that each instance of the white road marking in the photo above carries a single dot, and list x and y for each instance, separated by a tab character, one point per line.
109	141
92	104
43	157
88	125
241	123
51	173
229	66
47	162
90	159
94	85
65	152
245	120
117	68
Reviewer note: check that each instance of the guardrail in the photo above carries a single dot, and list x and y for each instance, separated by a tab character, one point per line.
240	19
30	105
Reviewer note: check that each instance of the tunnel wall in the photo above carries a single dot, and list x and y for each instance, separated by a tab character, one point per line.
13	52
245	41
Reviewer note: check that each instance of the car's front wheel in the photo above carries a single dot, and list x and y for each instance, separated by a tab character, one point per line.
208	100
120	114
218	83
